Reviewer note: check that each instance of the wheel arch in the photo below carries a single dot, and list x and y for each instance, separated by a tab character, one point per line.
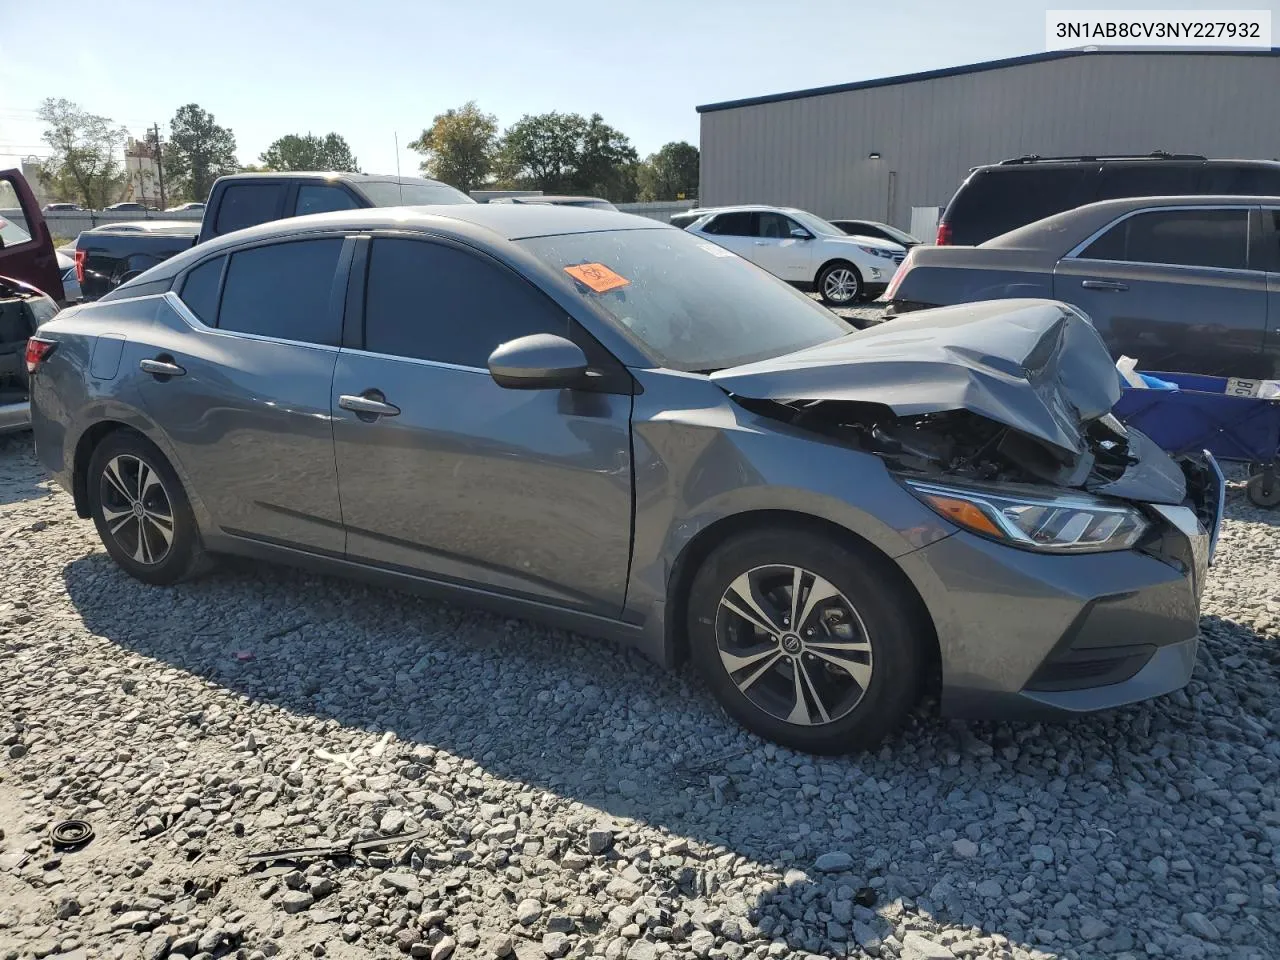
700	546
85	445
844	261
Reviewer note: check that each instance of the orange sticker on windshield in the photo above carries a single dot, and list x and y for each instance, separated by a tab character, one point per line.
597	276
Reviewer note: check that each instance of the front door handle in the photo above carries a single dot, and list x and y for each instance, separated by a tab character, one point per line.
161	368
369	404
1104	285
762	243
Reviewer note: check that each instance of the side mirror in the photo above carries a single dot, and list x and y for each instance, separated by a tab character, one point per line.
798	234
540	361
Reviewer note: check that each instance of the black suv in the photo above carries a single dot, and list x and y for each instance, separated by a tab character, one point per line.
1004	196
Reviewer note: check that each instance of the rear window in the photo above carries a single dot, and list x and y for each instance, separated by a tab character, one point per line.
283	291
388	193
248	204
1189	238
999	199
1246	181
1146	179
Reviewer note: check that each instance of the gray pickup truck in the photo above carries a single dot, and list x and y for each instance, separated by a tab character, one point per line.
111	254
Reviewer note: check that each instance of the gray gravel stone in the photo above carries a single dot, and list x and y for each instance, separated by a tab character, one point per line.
515	748
295	901
833	862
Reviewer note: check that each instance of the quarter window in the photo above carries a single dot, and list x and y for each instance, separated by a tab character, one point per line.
248	204
283	291
430	301
1189	238
200	290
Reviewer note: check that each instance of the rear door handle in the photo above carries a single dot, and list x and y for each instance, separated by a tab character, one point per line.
1104	285
368	405
161	368
762	243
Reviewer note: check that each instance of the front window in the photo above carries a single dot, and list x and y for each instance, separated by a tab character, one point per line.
388	193
691	304
816	225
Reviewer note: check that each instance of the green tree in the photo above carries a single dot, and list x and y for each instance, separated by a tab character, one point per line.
85	159
459	146
309	152
669	173
199	151
606	163
567	153
541	152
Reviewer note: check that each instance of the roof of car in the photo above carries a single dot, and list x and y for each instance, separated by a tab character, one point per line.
747	208
327	175
481	223
557	198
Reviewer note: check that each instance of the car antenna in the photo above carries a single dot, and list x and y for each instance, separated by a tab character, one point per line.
399	182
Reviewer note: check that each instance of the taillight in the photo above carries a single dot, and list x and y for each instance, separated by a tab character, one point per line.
896	281
38	352
944	233
80	254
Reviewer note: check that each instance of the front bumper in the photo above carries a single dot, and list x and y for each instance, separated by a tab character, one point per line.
1030	635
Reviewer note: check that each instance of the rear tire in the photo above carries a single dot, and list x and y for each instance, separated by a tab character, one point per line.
839	667
839	284
141	511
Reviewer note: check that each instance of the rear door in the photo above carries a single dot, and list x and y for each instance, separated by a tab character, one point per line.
736	231
1175	288
247	410
523	492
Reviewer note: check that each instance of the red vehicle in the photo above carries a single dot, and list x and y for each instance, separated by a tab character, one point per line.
26	254
30	290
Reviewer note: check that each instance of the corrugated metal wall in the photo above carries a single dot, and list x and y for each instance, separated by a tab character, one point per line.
813	152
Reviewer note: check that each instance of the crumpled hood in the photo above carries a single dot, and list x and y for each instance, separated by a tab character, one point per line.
1036	366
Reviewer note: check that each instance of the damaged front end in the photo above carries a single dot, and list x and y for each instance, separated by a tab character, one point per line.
997	415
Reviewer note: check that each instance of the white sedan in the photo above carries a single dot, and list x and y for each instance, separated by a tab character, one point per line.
804	250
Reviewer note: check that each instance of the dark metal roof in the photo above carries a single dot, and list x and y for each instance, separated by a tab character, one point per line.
968	68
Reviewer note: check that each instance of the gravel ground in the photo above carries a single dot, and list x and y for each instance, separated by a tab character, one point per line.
575	800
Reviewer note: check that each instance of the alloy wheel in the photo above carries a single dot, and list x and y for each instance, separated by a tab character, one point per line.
840	285
793	645
137	509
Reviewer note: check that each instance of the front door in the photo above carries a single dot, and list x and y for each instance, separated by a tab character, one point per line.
444	473
783	247
244	396
1176	290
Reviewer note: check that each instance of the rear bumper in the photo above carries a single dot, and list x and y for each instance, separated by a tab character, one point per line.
1029	635
15	417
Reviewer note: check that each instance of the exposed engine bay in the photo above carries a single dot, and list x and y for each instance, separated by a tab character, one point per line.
22	310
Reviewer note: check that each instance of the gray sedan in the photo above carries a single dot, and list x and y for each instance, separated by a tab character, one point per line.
605	423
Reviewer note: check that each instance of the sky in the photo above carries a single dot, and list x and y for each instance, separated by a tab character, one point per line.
380	68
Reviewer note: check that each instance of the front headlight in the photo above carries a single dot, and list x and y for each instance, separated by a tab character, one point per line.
877	251
1055	523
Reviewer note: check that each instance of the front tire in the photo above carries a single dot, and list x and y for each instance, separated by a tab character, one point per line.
141	511
839	284
806	641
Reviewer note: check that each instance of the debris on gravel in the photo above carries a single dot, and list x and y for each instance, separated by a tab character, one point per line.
569	799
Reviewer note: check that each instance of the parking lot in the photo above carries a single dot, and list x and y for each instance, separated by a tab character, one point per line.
575	800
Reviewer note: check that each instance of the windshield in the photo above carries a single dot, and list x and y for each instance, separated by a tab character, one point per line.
692	305
816	224
901	236
11	233
388	193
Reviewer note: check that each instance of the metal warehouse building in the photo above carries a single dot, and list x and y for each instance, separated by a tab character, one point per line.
896	149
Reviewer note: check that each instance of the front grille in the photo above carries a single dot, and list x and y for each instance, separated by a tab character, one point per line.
899	257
